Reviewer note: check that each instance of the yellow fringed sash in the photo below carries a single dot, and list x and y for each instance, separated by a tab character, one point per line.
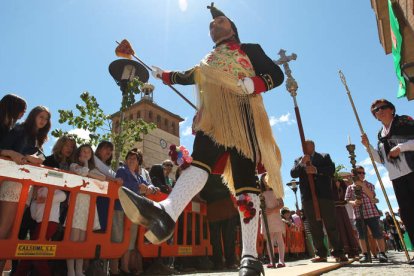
227	116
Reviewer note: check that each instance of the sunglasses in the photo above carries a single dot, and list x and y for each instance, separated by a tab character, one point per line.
382	107
363	173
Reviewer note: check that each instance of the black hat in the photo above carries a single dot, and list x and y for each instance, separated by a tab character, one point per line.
216	13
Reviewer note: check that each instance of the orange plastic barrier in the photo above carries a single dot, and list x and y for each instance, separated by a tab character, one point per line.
191	237
294	241
96	244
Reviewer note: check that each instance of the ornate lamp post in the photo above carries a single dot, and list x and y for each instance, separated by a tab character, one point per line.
124	71
293	185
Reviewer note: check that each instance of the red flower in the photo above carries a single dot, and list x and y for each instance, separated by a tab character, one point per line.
246	220
244	63
233	45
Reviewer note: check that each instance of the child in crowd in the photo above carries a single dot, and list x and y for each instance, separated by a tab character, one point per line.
276	226
83	165
37	209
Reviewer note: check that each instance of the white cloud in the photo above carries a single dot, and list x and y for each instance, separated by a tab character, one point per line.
184	122
183	4
283	119
84	134
392	197
385	180
365	162
187	131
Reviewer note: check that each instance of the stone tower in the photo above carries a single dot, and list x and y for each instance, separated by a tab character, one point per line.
155	145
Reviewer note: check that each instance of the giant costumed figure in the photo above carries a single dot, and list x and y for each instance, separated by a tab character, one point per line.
233	137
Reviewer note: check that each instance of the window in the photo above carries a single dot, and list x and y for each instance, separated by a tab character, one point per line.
150	115
139	114
158	119
166	122
173	127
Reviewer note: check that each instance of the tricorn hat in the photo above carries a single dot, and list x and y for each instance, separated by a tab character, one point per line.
216	13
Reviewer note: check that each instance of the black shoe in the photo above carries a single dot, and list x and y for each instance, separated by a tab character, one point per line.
382	257
141	210
250	266
364	259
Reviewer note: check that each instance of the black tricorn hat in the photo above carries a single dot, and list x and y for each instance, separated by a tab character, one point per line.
216	13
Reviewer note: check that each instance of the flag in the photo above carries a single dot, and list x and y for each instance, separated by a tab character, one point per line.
396	39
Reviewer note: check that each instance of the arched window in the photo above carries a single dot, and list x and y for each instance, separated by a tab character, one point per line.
150	115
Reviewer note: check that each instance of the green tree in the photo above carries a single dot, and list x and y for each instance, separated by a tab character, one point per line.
91	117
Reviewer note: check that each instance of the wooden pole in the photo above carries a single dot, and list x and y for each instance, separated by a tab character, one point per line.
292	86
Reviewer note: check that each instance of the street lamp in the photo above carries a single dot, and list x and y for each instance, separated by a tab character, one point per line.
293	185
124	71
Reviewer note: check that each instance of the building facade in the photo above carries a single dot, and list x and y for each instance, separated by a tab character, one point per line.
404	12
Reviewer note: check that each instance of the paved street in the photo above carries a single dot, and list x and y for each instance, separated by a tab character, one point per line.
396	266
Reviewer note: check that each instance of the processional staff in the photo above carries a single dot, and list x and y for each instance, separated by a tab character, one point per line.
342	76
292	87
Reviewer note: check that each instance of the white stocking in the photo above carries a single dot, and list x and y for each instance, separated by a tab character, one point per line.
70	263
79	267
191	181
249	230
281	247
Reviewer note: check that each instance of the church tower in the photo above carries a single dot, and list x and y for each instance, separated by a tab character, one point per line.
155	145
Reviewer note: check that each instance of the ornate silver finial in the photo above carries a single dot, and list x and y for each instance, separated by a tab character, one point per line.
291	84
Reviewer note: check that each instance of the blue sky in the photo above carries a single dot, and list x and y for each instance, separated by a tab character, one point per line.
51	51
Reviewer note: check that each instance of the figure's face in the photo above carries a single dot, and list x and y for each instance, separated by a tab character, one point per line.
383	112
42	119
132	162
220	29
309	148
68	148
85	154
167	168
361	174
105	153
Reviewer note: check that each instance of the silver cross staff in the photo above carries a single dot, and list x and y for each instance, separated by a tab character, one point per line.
292	86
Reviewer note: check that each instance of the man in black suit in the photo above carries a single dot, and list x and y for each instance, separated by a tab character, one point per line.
322	169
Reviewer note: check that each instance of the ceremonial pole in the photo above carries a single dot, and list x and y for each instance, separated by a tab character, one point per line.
292	87
269	243
169	85
342	76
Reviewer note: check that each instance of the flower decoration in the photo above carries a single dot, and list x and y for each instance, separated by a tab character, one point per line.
180	156
245	204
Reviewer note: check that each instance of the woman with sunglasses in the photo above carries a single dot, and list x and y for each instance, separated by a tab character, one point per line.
396	151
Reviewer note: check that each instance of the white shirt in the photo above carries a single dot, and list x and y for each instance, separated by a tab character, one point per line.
103	168
37	209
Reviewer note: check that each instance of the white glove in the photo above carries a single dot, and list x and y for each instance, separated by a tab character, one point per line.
247	85
157	72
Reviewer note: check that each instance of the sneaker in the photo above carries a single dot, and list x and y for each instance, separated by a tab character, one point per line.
382	257
319	260
364	259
